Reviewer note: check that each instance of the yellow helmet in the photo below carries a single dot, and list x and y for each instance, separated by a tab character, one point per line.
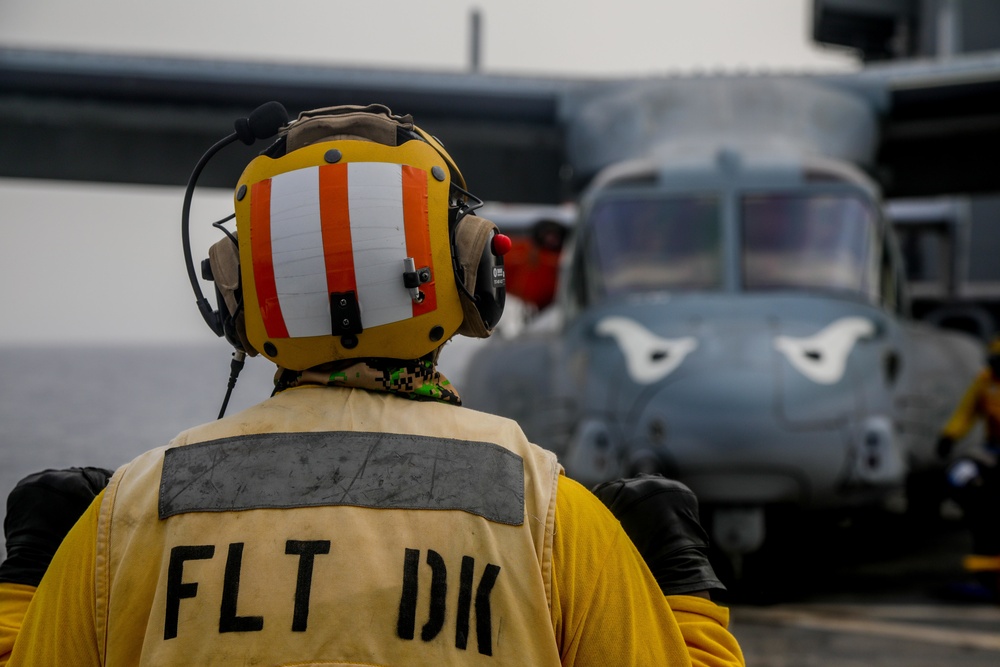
356	239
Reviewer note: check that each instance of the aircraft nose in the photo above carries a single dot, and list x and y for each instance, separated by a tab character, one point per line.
721	433
721	422
744	406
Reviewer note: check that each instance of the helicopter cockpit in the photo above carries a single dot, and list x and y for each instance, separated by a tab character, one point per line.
778	240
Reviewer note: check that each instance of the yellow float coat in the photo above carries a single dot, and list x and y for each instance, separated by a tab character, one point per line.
155	574
981	400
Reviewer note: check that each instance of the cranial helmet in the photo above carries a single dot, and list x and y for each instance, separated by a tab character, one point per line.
355	239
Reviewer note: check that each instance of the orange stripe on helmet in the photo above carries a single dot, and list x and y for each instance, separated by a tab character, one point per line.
263	263
335	219
418	239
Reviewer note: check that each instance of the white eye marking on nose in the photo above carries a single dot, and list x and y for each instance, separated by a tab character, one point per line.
822	357
648	357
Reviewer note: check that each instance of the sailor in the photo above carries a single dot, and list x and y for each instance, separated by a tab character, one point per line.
359	516
973	477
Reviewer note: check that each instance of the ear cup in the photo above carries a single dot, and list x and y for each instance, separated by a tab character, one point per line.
491	284
480	274
224	270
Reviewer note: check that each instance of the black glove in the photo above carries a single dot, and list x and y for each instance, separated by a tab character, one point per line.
660	515
944	445
40	511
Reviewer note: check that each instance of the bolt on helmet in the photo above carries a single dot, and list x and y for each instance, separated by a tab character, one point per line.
356	239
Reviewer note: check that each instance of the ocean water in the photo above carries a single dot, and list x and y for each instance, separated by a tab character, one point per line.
104	405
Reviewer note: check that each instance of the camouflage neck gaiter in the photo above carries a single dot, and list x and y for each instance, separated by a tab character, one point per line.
418	379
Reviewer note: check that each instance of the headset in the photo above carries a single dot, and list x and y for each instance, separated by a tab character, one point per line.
479	263
263	123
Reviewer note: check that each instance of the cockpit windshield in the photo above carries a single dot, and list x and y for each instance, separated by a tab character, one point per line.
651	244
806	241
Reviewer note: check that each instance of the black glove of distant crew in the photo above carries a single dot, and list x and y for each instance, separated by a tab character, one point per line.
660	515
944	445
40	511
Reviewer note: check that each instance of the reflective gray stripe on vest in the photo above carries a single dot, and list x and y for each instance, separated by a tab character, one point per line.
378	470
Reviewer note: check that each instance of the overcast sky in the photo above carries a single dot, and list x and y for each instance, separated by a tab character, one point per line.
98	263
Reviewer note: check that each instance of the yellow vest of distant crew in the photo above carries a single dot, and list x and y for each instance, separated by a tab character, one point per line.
331	527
